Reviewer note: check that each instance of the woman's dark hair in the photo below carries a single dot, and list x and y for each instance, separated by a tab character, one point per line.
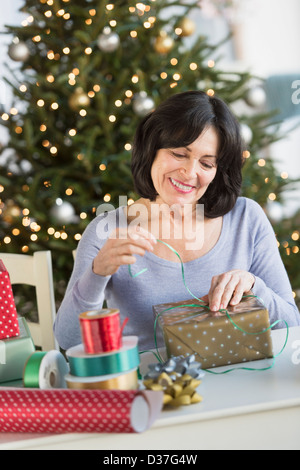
178	122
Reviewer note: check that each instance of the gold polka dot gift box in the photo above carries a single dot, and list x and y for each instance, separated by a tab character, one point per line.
236	335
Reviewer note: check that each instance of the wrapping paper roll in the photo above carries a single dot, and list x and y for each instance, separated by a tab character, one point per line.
127	381
45	370
115	362
82	411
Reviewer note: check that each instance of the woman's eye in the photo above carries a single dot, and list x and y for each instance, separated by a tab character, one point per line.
178	155
207	166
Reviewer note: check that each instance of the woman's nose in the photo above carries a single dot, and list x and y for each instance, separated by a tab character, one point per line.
190	167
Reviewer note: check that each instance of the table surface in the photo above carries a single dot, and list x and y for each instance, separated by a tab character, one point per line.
240	409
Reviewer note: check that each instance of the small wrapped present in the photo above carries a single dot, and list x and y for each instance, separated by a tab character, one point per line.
240	334
14	353
9	326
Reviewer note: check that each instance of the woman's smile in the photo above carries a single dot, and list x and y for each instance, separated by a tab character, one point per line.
181	187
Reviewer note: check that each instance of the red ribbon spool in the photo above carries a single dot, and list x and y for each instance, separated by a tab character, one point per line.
101	330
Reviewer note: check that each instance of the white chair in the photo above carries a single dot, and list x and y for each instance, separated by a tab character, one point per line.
36	270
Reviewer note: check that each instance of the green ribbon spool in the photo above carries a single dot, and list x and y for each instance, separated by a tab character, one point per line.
122	360
45	370
32	369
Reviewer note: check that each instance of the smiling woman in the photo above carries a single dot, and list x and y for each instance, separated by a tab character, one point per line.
192	125
186	165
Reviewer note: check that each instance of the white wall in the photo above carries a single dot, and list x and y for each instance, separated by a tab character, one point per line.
268	35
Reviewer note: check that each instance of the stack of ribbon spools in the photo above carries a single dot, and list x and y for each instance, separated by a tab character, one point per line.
105	359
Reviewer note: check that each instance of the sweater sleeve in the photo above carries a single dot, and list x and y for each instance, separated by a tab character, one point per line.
85	290
272	284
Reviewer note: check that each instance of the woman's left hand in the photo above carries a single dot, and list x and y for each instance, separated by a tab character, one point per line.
228	288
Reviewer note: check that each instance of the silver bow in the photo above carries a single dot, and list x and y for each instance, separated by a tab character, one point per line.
179	364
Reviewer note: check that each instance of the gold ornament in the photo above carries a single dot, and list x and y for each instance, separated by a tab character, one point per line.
79	99
10	211
163	43
187	27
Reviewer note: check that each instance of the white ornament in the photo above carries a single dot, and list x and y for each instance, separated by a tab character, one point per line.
275	210
63	211
108	41
18	51
142	104
246	133
256	97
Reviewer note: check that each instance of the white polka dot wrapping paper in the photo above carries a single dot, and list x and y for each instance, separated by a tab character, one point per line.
78	411
9	326
212	337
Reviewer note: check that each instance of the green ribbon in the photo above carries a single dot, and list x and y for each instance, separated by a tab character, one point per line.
221	310
114	363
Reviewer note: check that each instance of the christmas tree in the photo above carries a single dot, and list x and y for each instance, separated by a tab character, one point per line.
86	72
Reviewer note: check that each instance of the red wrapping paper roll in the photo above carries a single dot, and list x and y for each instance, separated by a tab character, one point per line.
77	411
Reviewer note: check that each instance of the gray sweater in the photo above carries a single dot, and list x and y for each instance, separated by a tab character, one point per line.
247	242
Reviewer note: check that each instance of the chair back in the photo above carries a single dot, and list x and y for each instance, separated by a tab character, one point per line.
36	270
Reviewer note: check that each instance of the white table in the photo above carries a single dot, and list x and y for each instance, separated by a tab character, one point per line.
240	410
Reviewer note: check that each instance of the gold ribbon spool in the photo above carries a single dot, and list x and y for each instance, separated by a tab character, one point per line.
127	381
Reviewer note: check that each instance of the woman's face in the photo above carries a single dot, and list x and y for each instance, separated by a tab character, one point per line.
182	175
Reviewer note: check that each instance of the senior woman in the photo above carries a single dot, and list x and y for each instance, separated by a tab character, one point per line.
186	165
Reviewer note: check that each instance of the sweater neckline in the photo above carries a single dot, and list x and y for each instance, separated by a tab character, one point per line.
215	249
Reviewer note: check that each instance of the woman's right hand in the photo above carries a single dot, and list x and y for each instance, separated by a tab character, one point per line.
120	248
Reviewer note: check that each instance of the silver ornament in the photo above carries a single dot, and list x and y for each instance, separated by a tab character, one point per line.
142	104
108	41
18	51
63	211
256	97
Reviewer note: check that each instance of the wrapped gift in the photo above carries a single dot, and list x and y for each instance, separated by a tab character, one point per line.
216	338
9	326
14	353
